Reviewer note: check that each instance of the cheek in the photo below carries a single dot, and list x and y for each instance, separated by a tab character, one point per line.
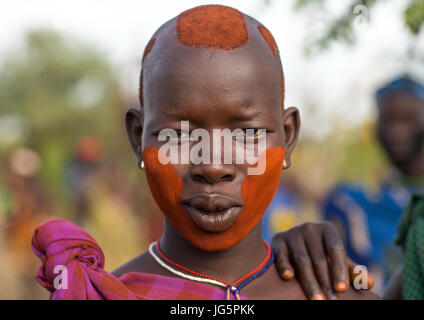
257	191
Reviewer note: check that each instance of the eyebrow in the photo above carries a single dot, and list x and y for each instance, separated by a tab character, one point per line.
238	117
247	117
172	115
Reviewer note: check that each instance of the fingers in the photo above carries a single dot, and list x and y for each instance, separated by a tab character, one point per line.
319	261
338	258
353	275
284	267
303	267
370	281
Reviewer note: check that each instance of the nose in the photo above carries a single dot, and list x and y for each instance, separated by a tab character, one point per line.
213	173
399	131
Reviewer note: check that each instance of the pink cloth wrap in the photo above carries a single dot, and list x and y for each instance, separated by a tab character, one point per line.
62	243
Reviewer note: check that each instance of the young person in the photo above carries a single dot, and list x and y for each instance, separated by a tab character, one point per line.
368	219
408	280
214	67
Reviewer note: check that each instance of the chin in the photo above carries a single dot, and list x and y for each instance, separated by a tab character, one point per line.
214	241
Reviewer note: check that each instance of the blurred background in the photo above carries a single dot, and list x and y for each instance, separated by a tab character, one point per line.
69	69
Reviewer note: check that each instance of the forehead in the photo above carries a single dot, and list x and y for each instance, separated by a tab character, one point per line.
183	77
402	104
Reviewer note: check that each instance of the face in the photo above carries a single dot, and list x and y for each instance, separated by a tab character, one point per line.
401	127
213	206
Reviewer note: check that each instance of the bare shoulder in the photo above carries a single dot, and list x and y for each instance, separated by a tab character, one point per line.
142	263
353	294
270	286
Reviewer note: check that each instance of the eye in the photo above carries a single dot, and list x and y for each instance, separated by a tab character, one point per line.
253	134
173	136
183	136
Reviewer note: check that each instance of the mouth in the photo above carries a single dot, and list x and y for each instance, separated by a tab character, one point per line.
212	212
399	148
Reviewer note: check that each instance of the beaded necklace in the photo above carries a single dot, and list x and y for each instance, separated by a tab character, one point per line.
200	277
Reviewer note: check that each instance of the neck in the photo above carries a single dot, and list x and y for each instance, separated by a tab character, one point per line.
228	265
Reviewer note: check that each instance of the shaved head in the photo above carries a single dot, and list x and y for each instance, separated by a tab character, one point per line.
215	68
210	27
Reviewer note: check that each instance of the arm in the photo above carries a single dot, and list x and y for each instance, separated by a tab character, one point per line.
315	252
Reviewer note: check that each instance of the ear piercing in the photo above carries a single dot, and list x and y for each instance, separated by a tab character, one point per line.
141	164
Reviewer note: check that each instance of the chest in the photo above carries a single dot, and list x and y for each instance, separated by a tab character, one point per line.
271	287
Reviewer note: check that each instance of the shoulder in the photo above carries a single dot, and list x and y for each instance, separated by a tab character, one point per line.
344	190
143	263
353	294
270	286
137	264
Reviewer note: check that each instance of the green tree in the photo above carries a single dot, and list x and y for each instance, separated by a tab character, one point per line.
341	27
54	89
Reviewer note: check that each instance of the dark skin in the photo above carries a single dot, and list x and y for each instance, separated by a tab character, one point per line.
306	250
400	130
217	89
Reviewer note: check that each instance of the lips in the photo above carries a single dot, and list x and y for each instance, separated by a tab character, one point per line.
212	212
256	191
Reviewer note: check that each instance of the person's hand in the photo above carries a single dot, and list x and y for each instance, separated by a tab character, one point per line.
315	251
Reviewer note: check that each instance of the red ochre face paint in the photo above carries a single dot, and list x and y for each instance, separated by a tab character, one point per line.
267	35
216	27
257	192
269	39
212	26
147	50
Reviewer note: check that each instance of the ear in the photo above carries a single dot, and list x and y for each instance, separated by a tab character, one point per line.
134	118
291	120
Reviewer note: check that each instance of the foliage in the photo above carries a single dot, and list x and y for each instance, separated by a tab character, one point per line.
341	27
56	90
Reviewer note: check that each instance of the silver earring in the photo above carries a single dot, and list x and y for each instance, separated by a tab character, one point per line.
141	164
285	164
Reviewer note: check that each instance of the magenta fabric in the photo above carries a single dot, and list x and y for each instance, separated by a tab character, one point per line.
62	243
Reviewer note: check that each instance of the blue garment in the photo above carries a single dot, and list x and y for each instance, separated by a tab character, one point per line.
368	221
282	213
